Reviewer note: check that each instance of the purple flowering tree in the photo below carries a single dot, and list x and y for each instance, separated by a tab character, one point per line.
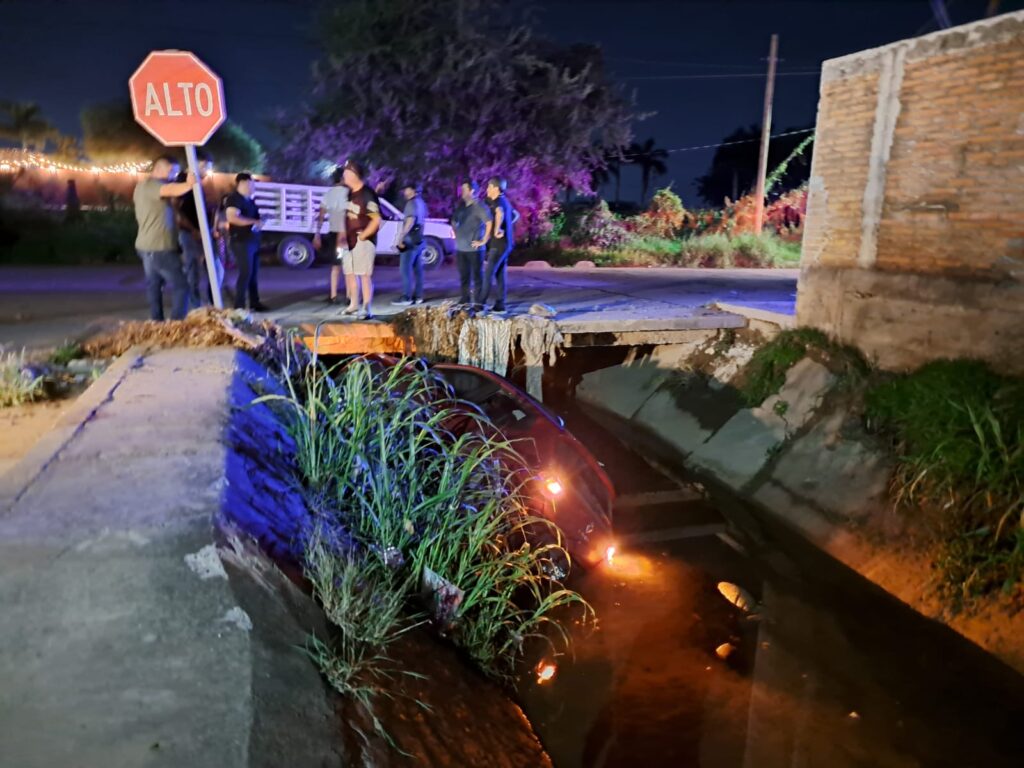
453	89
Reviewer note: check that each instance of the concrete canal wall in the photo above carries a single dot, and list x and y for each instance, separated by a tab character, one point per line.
801	457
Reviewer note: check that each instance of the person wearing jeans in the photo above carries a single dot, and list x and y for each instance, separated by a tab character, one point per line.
244	226
500	244
163	269
411	246
471	221
157	239
190	239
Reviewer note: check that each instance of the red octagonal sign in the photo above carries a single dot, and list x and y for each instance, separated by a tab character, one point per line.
177	98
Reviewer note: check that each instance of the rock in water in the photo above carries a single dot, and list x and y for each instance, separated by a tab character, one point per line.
737	596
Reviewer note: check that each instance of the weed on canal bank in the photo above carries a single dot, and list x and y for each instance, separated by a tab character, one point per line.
956	430
418	515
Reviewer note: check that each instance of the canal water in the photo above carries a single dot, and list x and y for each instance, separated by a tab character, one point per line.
821	668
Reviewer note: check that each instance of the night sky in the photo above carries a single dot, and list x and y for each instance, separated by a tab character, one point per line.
673	55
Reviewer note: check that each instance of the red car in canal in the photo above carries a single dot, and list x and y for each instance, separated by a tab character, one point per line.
569	487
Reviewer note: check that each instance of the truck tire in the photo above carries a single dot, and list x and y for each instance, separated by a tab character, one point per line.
296	252
433	253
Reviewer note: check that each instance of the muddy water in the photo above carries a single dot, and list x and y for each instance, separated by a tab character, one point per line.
829	671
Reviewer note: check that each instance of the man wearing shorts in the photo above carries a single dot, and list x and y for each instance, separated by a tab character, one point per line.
334	208
361	225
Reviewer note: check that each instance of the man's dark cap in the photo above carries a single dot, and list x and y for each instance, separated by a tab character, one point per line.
356	167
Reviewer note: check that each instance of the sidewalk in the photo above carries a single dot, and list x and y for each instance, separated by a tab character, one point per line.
122	641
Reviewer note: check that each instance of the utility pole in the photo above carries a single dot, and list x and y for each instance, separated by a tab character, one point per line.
766	129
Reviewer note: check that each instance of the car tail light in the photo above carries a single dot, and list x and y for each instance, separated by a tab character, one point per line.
552	485
609	554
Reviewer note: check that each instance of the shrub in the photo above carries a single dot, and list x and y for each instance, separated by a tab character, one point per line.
18	385
958	429
43	237
748	250
599	228
663	218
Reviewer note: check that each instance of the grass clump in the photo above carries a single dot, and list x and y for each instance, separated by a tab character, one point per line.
418	506
18	384
741	250
766	372
958	430
66	352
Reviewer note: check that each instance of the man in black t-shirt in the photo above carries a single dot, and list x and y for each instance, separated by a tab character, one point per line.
244	233
361	225
499	246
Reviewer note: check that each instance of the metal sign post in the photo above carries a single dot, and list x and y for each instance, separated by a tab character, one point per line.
180	101
204	226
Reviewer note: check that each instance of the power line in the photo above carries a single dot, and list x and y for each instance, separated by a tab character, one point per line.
729	143
714	77
704	64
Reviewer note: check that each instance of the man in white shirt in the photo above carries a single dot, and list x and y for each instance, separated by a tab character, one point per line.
334	208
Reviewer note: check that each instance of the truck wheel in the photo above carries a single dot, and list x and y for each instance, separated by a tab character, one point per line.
433	253
296	252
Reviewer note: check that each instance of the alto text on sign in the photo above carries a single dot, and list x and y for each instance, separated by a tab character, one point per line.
177	98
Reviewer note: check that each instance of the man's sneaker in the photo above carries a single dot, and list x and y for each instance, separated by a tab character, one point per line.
418	301
259	307
402	302
496	310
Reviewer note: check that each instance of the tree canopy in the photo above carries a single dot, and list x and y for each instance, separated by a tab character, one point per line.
733	171
111	135
452	89
23	122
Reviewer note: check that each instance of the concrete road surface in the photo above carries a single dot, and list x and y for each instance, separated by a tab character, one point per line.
44	306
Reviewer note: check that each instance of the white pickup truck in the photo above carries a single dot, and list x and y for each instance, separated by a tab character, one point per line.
289	214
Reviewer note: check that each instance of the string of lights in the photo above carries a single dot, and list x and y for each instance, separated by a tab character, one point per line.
12	161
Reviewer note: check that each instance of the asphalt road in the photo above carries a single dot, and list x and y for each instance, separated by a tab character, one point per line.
44	306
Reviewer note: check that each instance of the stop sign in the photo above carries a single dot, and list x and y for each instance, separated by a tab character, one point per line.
177	98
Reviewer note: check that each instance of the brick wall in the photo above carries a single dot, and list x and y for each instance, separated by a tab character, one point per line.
914	239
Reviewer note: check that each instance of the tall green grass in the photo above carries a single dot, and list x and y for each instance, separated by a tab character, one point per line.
743	250
958	430
17	386
767	369
425	490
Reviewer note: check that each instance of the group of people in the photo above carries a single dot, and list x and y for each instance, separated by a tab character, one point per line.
169	241
483	240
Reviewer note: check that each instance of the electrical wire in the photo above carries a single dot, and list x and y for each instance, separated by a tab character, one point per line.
714	77
728	143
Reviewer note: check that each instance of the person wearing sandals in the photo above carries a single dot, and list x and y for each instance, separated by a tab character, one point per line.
334	208
361	225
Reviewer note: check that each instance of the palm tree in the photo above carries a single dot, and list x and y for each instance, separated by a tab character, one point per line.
651	160
25	123
611	166
67	148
